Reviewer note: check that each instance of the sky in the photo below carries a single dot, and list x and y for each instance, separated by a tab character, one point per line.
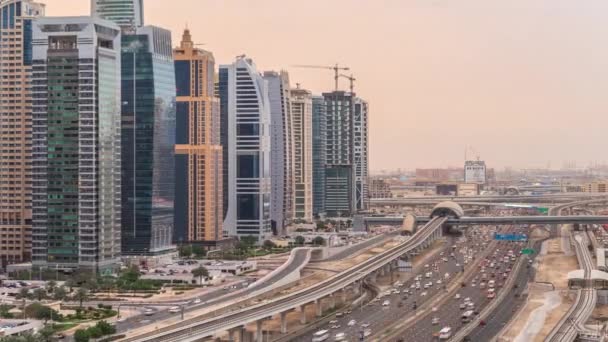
524	82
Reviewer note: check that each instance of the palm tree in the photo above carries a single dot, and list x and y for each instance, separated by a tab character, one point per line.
24	293
200	272
39	294
81	295
60	293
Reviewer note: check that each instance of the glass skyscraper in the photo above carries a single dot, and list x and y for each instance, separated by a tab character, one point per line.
148	139
246	132
16	19
128	14
76	144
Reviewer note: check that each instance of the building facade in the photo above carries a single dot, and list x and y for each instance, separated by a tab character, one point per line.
360	153
475	171
319	150
245	111
301	112
198	188
76	71
148	139
16	18
128	14
281	154
380	188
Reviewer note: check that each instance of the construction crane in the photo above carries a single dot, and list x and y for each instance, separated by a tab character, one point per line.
352	80
336	68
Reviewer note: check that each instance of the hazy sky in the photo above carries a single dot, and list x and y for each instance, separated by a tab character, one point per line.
523	81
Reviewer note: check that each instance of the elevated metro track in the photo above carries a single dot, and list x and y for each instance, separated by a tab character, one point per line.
478	220
194	330
552	198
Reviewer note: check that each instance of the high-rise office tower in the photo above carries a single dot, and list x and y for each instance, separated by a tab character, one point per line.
16	129
147	140
128	14
360	153
199	205
245	112
281	154
76	143
339	186
301	112
319	151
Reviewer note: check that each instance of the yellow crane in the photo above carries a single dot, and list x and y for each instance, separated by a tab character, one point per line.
336	68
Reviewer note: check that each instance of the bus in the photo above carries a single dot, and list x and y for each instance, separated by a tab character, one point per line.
320	335
466	316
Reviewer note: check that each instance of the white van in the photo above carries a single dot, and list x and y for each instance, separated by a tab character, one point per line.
445	333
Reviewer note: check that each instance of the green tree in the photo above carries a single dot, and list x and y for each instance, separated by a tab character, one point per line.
40	294
81	335
199	251
94	332
81	295
269	244
200	272
299	240
321	225
106	328
38	311
318	241
185	251
45	334
249	241
5	311
51	285
24	293
131	274
60	293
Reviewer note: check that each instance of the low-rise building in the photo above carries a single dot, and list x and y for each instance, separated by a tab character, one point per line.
600	186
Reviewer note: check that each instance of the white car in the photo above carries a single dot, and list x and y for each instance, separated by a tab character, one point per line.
352	323
174	309
386	303
457	296
423	294
197	301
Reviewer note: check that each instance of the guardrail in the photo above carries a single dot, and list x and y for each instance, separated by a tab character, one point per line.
192	330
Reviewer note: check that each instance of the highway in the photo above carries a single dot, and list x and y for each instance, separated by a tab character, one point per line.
378	316
450	314
192	330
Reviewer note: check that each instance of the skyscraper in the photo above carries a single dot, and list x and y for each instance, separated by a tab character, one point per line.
245	114
319	151
301	112
360	153
346	162
148	139
76	143
128	14
281	140
339	186
16	129
199	204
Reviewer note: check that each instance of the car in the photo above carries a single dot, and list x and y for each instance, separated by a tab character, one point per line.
491	295
174	309
197	301
438	281
435	321
365	325
386	303
335	326
348	312
463	306
333	321
148	312
457	296
423	294
352	323
59	336
434	309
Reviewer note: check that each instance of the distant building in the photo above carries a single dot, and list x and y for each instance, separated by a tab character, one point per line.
76	88
16	130
379	188
301	112
595	187
128	14
475	172
319	152
439	175
199	213
467	189
281	153
360	153
245	132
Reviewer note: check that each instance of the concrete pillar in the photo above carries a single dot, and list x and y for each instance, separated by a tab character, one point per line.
302	310
382	271
319	307
332	301
259	333
283	322
344	296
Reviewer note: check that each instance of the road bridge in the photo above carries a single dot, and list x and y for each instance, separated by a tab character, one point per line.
234	322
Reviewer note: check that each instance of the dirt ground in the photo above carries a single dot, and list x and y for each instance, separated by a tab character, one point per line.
554	269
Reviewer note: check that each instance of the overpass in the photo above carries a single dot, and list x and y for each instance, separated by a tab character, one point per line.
498	220
195	329
552	198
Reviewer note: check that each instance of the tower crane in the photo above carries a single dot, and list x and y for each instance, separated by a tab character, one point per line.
352	80
336	68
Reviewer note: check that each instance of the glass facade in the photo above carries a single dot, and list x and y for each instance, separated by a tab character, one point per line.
319	130
125	13
148	137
